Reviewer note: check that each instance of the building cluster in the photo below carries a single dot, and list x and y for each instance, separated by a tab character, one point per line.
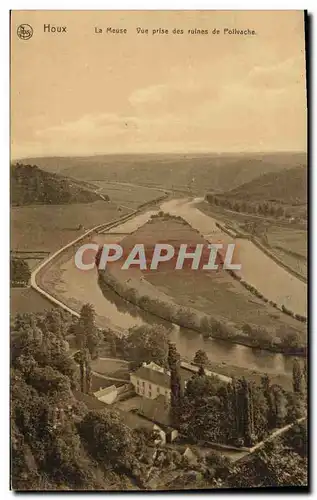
151	383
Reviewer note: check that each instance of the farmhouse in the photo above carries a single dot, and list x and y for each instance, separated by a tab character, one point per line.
158	412
132	420
151	380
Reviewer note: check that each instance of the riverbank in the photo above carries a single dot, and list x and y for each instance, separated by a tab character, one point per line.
264	248
192	319
38	282
73	288
235	234
37	276
222	213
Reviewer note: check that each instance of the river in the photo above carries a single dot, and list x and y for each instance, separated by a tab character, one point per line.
78	287
273	281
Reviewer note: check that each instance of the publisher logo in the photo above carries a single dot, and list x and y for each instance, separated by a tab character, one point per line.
25	31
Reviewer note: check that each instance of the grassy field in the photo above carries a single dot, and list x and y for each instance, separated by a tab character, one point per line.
294	240
127	195
112	368
290	245
283	379
212	292
287	242
27	300
49	227
98	383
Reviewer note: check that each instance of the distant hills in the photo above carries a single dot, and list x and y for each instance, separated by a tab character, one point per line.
200	172
31	185
286	186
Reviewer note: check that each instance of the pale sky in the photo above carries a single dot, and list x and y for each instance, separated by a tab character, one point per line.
81	93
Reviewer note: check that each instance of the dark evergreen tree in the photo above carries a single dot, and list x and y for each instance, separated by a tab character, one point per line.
201	371
173	360
20	273
83	359
201	358
297	377
87	335
271	413
305	371
248	416
237	432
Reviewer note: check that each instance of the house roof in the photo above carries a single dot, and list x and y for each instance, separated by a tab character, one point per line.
190	455
106	390
156	377
134	421
90	401
160	378
130	419
157	410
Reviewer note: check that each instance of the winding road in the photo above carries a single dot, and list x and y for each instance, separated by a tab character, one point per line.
44	263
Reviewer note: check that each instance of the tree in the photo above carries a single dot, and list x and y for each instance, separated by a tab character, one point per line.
272	466
279	406
47	450
147	343
108	439
201	371
202	387
83	359
244	420
219	330
267	393
87	334
297	439
295	406
297	377
292	340
204	409
19	272
305	371
218	465
185	316
54	323
176	384
245	410
282	468
201	358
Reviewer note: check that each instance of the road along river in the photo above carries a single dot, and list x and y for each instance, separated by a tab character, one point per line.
74	288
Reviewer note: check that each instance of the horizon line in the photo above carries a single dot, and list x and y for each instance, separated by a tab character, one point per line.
188	153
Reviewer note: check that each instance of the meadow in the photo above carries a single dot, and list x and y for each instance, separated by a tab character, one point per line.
287	241
50	227
127	195
211	292
290	245
111	368
27	300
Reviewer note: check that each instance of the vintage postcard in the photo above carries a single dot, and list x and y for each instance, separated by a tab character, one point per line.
158	250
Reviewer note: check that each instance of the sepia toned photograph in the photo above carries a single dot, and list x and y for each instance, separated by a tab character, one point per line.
158	250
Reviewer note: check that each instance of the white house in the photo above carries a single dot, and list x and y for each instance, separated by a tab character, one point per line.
151	381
